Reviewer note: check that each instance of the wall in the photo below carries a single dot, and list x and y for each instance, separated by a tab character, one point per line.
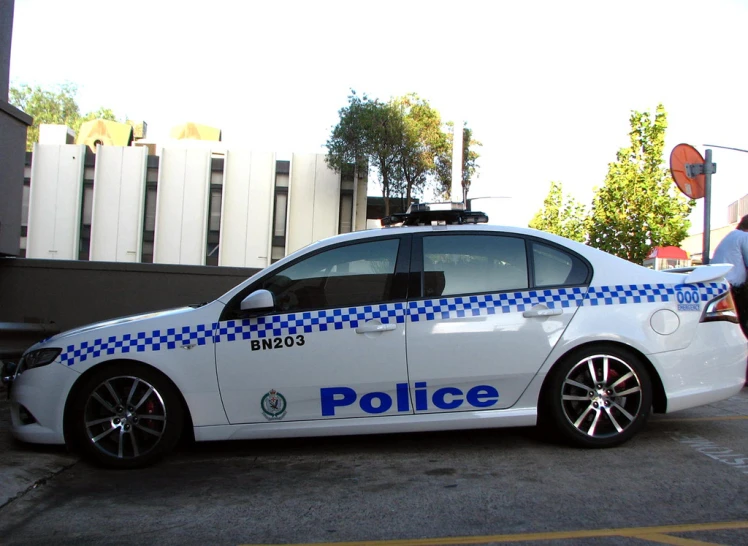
13	124
55	201
118	204
694	244
314	201
247	207
74	293
182	206
189	206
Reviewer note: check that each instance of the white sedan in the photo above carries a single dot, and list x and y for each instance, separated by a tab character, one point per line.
426	327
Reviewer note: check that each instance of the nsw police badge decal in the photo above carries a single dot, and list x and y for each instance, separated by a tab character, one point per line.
273	405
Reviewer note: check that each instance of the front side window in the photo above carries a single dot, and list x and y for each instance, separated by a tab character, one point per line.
473	264
346	276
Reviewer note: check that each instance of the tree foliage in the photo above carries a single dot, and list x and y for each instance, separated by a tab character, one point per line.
423	141
561	215
443	168
404	141
369	133
56	106
639	207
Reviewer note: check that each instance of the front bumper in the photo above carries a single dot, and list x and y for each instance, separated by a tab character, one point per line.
37	403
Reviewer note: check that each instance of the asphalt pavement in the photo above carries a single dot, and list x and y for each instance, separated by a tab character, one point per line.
22	466
682	480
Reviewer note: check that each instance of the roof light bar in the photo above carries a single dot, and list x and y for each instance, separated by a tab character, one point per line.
426	214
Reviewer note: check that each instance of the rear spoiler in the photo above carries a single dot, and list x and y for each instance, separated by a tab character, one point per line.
702	273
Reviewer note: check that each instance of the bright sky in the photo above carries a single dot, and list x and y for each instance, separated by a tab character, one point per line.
546	86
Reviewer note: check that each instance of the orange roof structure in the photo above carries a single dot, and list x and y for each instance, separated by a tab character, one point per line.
195	131
104	132
668	252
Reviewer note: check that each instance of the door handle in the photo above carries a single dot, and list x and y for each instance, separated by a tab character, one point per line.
541	312
374	327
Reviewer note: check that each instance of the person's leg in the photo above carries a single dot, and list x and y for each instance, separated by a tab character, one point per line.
740	295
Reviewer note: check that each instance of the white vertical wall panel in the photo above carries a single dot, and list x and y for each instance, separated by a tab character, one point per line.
118	204
55	201
182	206
359	216
326	200
247	209
314	201
300	202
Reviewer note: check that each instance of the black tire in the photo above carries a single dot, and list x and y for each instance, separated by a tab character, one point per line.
603	411
125	416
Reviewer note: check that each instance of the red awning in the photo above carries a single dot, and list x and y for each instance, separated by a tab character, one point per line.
668	252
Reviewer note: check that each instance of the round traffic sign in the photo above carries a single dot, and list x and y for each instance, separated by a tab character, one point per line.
682	155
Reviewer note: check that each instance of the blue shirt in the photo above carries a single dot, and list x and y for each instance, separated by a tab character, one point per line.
733	250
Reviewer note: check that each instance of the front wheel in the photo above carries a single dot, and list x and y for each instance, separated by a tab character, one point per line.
126	416
599	397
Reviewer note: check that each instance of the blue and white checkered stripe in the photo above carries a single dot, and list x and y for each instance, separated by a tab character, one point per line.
491	304
156	340
308	322
649	293
339	319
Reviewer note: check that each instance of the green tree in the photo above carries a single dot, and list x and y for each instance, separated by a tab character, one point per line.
369	133
443	167
57	106
423	140
347	144
639	207
561	215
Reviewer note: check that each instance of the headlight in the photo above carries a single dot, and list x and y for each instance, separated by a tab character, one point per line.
38	358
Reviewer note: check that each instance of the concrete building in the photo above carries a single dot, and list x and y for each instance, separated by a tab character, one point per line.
196	203
693	244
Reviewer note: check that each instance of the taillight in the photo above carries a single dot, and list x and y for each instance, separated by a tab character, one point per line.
721	308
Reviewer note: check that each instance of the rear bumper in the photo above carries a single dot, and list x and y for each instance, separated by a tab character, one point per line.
710	369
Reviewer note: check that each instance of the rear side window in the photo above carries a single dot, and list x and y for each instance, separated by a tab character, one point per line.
473	264
554	267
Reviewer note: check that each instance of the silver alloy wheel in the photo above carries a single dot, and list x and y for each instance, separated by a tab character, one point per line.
601	396
125	417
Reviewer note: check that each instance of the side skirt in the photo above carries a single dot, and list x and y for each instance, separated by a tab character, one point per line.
519	417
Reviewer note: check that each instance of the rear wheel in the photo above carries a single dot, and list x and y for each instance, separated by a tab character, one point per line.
126	416
599	397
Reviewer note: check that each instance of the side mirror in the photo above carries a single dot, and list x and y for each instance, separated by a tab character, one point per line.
258	300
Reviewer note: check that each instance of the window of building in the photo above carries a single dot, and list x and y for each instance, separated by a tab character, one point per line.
280	211
84	250
351	275
346	212
473	264
149	218
281	208
214	225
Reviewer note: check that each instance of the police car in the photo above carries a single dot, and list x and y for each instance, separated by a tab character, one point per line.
442	323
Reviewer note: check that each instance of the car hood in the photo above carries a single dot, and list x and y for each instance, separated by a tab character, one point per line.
108	323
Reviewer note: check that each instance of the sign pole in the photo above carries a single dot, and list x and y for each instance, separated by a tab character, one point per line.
708	169
693	176
456	191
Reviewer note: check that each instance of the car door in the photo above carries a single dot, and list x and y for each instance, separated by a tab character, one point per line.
483	325
333	345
